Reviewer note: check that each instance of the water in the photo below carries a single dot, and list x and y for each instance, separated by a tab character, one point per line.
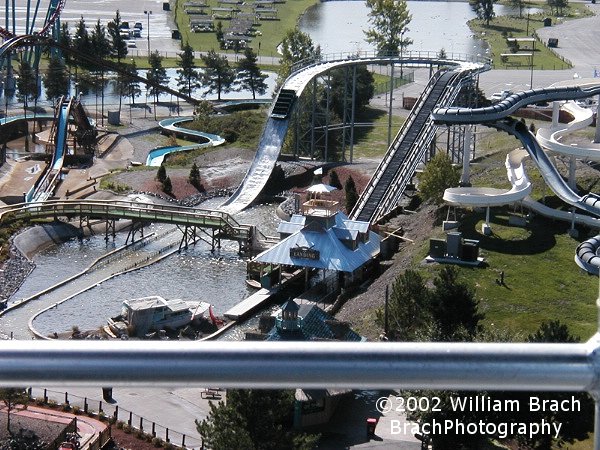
337	26
92	96
194	274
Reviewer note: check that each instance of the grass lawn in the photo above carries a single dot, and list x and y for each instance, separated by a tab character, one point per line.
502	27
272	31
371	142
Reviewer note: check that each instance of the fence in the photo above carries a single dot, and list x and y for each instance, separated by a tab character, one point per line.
108	409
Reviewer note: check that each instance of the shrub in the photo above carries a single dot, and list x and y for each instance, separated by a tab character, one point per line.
167	186
65	407
161	174
52	403
120	424
157	442
127	428
39	401
76	410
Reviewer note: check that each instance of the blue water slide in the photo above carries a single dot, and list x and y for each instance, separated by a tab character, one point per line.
47	181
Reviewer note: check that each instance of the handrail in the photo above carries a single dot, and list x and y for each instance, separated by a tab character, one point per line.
128	210
463	366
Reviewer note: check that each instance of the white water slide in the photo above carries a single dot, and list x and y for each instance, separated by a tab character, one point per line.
277	124
495	116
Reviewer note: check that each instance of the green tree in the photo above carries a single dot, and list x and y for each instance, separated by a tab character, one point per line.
408	308
351	194
484	9
518	4
66	40
25	440
249	75
334	180
82	42
218	75
13	398
167	186
389	20
118	45
157	74
219	33
365	89
101	45
454	308
57	81
295	47
26	84
131	85
238	425
188	78
438	175
161	174
194	177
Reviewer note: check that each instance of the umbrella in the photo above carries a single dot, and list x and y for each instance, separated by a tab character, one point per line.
321	188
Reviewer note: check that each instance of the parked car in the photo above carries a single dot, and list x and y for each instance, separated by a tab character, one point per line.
138	26
499	96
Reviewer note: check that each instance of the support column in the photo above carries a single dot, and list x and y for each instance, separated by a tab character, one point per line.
572	168
597	136
485	228
328	100
313	118
390	108
353	114
555	113
465	179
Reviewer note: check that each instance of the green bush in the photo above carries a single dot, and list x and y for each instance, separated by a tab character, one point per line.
120	424
127	428
157	442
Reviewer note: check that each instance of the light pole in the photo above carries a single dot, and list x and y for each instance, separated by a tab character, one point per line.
402	44
148	14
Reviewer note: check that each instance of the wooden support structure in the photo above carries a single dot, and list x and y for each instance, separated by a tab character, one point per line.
136	227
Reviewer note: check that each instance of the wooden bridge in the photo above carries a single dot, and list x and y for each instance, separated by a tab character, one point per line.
208	225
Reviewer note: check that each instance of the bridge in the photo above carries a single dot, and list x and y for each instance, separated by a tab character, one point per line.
207	225
274	132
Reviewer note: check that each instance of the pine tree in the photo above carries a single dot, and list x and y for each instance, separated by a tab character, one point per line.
334	180
66	40
194	177
161	174
188	78
438	175
119	46
351	194
57	81
156	74
26	84
167	186
454	307
249	75
82	42
101	45
218	75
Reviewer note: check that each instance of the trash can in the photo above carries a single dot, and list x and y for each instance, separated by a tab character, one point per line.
371	425
107	393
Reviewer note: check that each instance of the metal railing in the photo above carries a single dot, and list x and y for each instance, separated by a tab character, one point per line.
102	408
416	57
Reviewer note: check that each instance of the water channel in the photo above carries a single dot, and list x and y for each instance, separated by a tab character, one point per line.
193	274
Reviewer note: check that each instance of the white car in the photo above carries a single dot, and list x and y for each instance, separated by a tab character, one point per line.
499	96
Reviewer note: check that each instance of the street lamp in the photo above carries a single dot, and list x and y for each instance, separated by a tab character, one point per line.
402	44
148	14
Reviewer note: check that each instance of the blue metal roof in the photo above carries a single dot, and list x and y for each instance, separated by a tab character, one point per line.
333	254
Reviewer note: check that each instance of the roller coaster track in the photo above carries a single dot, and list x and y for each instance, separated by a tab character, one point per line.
52	15
181	216
278	122
32	40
